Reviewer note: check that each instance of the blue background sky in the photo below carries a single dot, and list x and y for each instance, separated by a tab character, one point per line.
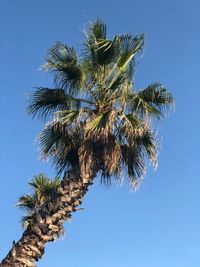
159	225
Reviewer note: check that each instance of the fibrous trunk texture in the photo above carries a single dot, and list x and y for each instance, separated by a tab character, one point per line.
48	221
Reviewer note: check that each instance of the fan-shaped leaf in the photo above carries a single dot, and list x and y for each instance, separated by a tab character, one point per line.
45	101
63	61
129	47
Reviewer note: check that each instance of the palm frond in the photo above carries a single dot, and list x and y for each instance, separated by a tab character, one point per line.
134	163
148	142
42	187
107	51
115	84
98	29
129	47
137	105
68	116
73	117
51	186
49	137
38	181
94	124
26	202
60	144
101	122
142	145
98	49
45	101
62	60
111	159
156	95
134	121
152	101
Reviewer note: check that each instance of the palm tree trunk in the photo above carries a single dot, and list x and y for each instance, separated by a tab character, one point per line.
48	221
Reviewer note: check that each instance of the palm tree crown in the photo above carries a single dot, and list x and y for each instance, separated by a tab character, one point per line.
94	111
42	189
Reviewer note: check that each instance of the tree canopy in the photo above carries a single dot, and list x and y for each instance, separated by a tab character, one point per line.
94	106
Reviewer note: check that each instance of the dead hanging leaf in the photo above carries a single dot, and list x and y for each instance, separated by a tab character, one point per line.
112	155
86	160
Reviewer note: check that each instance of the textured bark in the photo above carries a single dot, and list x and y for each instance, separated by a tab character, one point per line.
48	221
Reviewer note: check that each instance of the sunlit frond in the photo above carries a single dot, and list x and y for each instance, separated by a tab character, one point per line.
129	45
102	122
96	123
68	116
43	187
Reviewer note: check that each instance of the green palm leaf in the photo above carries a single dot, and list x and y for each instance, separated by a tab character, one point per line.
62	60
61	144
152	101
45	101
156	95
139	148
26	202
68	116
98	29
133	163
103	122
139	106
129	47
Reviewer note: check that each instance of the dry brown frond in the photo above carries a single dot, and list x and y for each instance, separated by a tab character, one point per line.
112	155
86	159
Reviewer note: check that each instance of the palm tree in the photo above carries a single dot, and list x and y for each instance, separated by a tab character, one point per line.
97	123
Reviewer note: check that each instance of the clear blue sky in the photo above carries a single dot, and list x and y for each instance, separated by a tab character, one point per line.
160	224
